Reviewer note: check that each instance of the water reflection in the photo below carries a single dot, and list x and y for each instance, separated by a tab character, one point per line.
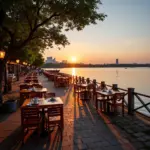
73	71
117	75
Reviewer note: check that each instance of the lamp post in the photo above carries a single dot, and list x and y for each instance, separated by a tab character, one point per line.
17	61
2	56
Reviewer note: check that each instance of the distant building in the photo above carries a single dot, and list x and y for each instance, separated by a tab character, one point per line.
64	61
117	61
51	60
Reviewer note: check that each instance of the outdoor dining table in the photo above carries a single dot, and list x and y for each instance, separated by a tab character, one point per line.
25	93
42	90
84	88
108	95
31	83
61	81
44	103
31	80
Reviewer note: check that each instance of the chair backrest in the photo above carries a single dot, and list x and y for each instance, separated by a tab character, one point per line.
30	113
35	80
37	86
24	86
55	111
90	86
27	81
119	97
36	94
50	94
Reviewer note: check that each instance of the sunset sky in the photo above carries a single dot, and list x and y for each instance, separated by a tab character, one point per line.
125	34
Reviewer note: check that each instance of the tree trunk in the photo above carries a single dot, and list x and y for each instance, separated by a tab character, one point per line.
2	66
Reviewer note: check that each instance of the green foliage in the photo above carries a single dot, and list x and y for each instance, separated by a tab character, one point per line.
39	60
38	24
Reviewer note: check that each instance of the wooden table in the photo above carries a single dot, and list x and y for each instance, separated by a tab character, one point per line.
31	80
45	103
29	85
42	90
61	81
25	93
85	92
108	95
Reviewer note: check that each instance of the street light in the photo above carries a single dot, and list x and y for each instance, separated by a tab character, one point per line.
17	61
2	55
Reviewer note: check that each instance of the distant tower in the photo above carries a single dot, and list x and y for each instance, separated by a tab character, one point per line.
117	61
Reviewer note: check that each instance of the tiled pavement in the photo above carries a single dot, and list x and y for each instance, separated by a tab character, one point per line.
84	129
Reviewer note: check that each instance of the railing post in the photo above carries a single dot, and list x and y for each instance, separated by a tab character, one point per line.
102	82
131	101
82	79
73	78
115	87
79	79
88	80
94	90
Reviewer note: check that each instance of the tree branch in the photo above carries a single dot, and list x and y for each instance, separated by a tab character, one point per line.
8	31
35	29
30	23
38	11
47	20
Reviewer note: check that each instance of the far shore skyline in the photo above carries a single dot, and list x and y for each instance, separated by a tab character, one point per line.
124	34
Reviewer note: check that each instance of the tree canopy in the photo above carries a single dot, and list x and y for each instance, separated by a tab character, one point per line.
44	21
27	27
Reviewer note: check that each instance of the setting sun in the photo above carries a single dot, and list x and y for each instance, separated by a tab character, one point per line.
73	59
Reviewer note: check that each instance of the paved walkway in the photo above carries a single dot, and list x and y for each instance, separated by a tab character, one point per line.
84	128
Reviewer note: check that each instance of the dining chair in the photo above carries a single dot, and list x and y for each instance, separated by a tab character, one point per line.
78	91
35	81
27	81
37	86
54	117
23	96
24	86
118	101
101	102
90	88
33	94
30	120
50	94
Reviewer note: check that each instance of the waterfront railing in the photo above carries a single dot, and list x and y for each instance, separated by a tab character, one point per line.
135	102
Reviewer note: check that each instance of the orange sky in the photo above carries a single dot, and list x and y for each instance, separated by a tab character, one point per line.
124	35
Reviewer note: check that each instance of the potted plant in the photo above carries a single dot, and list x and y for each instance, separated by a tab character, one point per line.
10	104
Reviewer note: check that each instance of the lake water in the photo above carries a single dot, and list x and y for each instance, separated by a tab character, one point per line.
138	78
